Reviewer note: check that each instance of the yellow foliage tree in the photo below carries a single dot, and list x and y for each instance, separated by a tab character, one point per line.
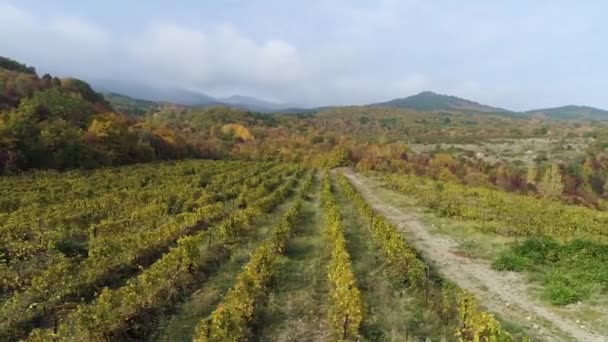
238	131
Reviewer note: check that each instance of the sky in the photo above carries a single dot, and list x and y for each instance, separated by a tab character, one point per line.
513	54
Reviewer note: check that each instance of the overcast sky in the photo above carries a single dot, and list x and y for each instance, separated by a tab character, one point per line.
513	54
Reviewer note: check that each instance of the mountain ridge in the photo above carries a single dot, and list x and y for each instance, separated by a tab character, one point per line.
429	101
432	101
570	112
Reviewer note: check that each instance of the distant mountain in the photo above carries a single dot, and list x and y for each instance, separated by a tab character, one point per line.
156	94
129	105
252	103
431	101
139	99
182	96
571	112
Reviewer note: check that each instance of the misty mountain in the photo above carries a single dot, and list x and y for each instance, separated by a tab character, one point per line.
431	101
425	101
252	103
131	106
140	92
155	93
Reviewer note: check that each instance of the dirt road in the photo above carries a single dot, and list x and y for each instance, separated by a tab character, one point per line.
505	293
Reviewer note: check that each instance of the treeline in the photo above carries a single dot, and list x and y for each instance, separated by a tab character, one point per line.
47	122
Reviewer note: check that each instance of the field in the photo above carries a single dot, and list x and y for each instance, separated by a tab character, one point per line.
262	251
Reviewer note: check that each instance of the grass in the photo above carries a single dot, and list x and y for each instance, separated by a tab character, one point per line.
295	310
570	272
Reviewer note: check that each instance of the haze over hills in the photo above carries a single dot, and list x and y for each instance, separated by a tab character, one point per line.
154	93
252	103
182	96
428	101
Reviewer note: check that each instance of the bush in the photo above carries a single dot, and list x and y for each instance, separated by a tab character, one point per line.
511	262
561	291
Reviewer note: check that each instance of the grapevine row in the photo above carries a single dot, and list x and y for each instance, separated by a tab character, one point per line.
474	324
400	257
346	305
114	312
72	279
502	212
230	321
34	238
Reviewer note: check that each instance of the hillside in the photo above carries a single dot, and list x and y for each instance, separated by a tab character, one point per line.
431	101
52	123
12	65
571	112
129	105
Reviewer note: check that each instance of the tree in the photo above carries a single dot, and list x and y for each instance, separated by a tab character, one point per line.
53	103
237	131
9	64
503	180
85	91
532	176
64	145
441	165
109	132
8	153
551	184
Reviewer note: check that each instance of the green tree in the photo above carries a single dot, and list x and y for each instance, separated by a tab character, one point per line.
53	103
64	145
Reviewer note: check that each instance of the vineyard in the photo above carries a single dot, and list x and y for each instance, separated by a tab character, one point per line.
122	254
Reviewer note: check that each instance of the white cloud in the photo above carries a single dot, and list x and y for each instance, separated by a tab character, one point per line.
12	15
223	57
219	59
326	52
67	45
79	31
214	58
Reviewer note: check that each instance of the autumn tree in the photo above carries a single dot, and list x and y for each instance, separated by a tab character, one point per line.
551	183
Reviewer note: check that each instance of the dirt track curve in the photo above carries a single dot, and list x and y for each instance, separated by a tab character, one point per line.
505	293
